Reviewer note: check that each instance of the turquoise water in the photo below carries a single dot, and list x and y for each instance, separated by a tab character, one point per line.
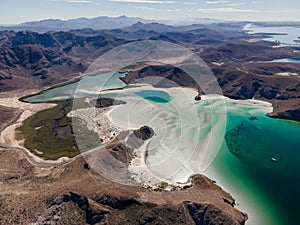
155	96
90	85
261	161
287	60
258	162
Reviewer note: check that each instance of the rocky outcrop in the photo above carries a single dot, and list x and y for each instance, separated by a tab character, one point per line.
208	214
94	213
109	209
105	102
144	133
120	151
198	98
293	114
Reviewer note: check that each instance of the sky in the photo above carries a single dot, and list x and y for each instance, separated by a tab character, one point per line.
17	11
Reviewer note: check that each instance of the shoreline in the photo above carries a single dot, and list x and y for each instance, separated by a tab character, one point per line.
255	204
38	92
72	81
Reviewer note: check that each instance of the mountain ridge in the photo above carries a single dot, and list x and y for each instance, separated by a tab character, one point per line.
97	23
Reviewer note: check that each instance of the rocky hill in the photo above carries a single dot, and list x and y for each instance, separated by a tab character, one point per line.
75	194
32	60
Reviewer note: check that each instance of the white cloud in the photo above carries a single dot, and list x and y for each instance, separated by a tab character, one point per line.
217	2
80	1
227	10
73	1
191	3
235	4
145	1
203	10
159	10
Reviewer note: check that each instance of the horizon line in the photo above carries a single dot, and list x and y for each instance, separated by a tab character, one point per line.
151	20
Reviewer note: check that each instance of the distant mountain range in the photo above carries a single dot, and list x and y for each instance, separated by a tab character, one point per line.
124	22
98	23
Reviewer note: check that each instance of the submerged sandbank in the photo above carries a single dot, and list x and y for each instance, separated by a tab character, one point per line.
188	134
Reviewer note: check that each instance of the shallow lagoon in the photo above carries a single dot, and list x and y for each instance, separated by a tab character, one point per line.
91	85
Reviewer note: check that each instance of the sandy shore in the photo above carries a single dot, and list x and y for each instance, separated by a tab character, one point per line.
14	102
141	173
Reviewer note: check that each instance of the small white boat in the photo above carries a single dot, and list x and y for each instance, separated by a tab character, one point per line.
274	160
